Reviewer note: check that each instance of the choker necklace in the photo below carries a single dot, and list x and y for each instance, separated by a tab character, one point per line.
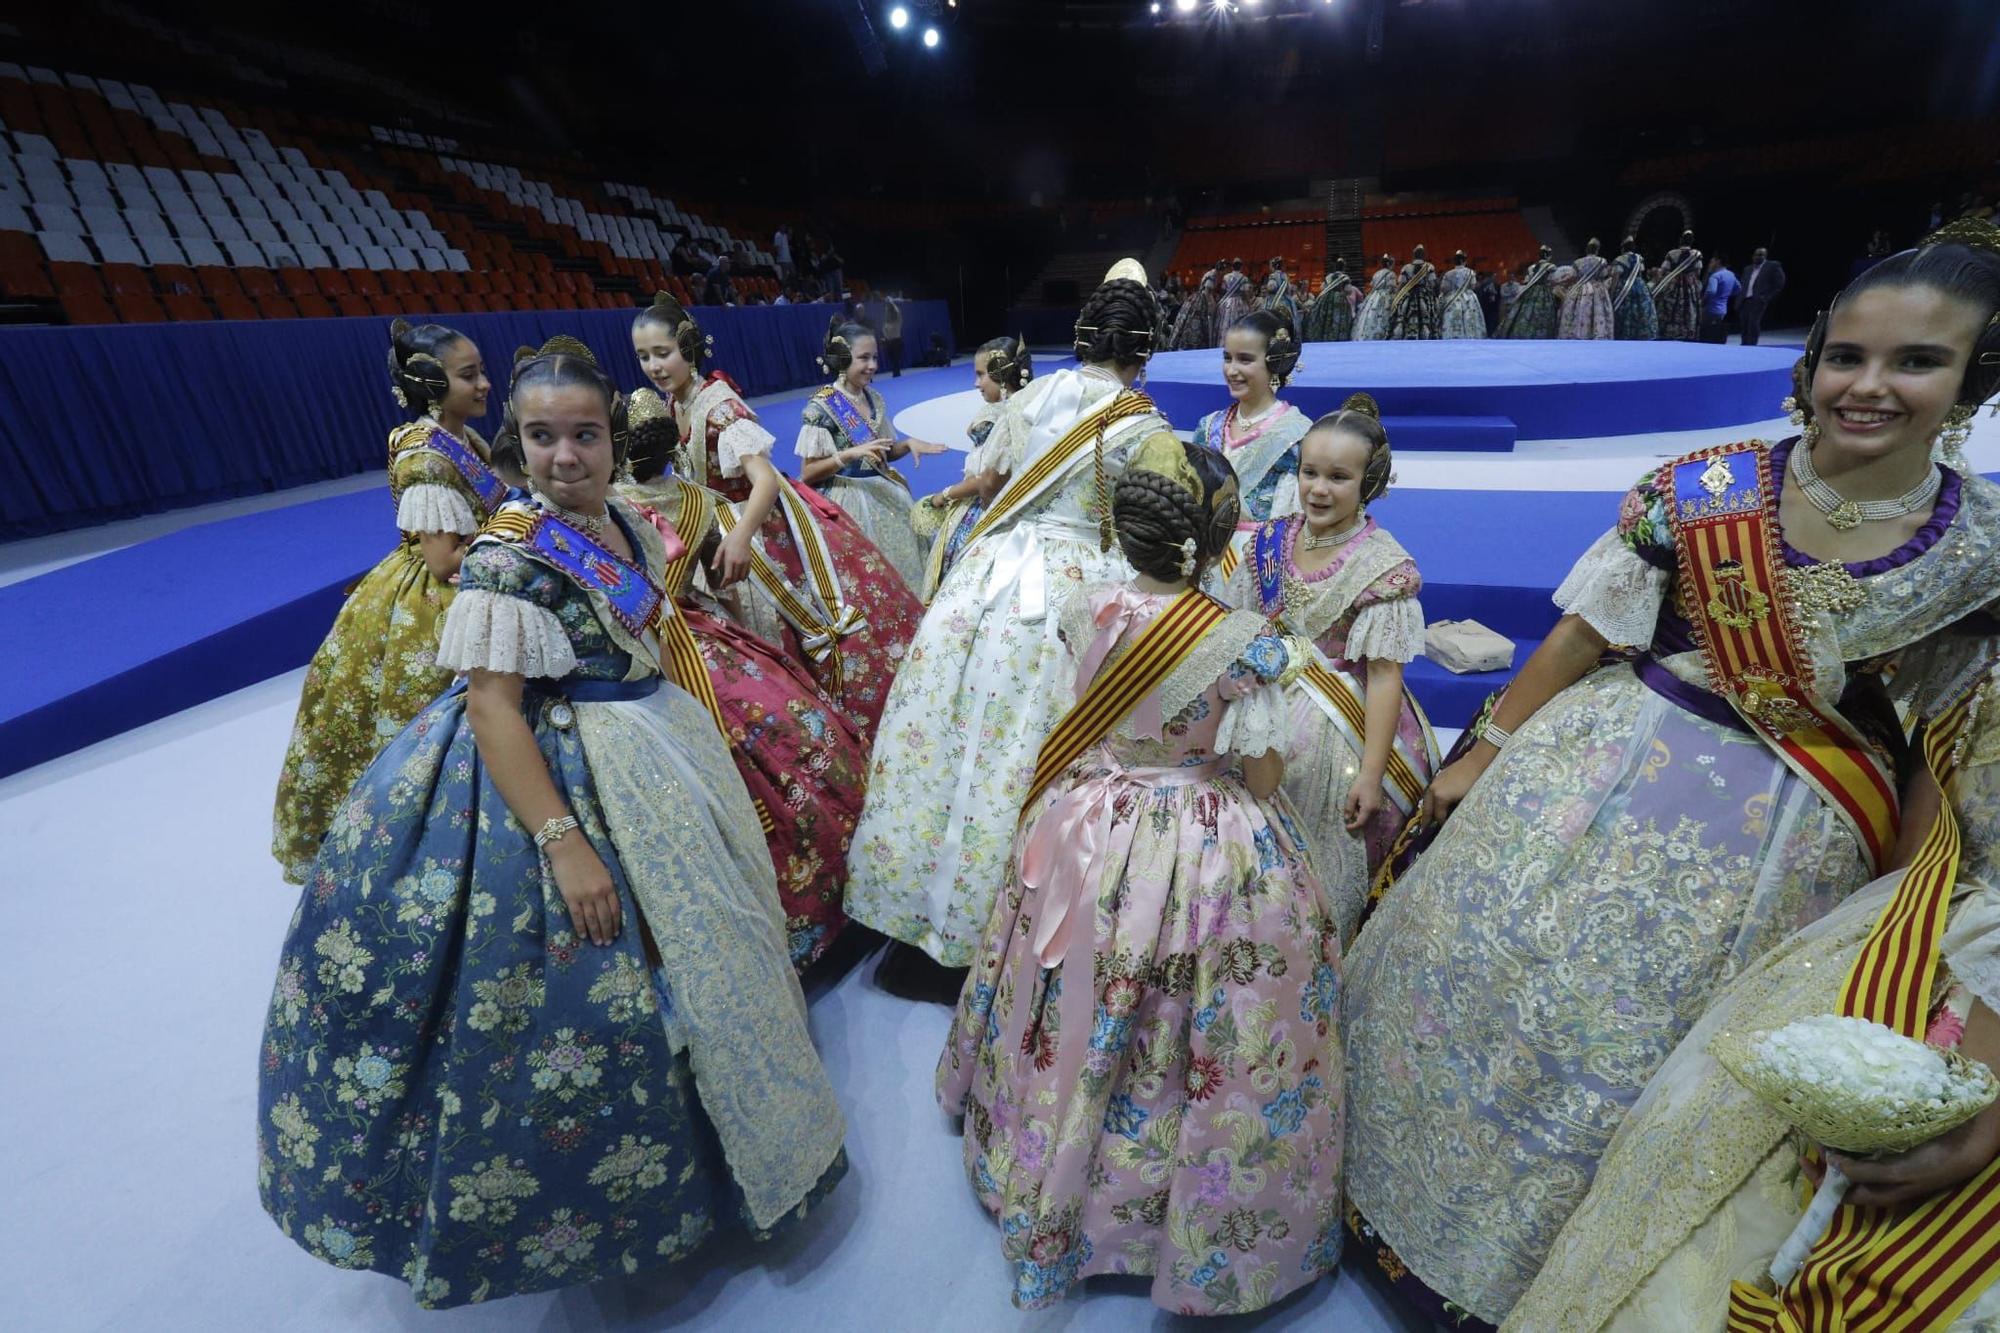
1845	514
590	524
1311	543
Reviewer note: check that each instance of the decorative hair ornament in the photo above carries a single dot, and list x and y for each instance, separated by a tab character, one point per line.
645	407
1163	455
1188	551
1953	434
1973	233
564	345
1363	403
1131	270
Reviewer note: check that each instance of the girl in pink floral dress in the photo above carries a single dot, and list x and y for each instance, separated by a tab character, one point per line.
1147	1051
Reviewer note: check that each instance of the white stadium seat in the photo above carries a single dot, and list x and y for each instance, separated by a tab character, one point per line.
203	253
261	231
431	260
190	227
65	248
243	254
56	218
227	230
374	256
403	258
347	256
101	221
161	250
119	250
311	256
14	218
144	223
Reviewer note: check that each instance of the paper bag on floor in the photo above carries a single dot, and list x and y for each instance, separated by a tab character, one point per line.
1466	646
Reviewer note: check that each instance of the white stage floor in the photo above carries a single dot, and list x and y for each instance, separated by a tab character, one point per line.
147	920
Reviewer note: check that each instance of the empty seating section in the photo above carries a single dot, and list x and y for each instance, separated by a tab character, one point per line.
1255	238
119	206
1492	233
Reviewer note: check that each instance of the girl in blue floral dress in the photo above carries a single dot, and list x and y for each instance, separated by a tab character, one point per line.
535	1023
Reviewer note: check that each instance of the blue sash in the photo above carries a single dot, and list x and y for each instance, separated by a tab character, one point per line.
842	409
481	478
1215	424
635	600
1269	563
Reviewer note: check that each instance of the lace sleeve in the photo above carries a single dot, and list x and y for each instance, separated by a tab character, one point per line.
1972	945
1391	631
1256	723
429	507
1007	442
740	439
490	631
1616	591
815	441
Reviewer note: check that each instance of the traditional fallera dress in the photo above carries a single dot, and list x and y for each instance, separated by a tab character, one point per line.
1703	1180
875	494
378	666
1147	1053
1637	841
1331	318
1264	454
1362	605
1677	295
1371	321
1195	326
1533	314
1633	316
1413	310
1586	309
455	1087
1236	297
987	675
994	448
824	593
1459	315
1280	299
803	762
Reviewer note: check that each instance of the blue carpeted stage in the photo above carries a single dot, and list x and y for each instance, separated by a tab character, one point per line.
112	421
1461	394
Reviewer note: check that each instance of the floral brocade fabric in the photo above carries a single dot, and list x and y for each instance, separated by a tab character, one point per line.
1166	1098
457	1090
372	673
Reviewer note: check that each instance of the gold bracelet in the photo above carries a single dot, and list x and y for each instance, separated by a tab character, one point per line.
554	830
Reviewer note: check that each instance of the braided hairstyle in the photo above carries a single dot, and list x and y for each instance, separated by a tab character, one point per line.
1008	362
656	438
1116	324
564	361
667	313
1963	262
1361	416
842	336
416	364
1281	342
1160	509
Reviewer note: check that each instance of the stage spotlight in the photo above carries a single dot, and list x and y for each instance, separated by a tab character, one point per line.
1185	6
1156	6
930	37
899	18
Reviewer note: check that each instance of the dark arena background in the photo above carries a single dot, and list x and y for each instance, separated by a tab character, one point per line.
210	214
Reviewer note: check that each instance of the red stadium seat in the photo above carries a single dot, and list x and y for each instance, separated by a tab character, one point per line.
21	271
218	282
362	281
297	282
276	307
83	306
258	281
126	280
138	308
312	305
72	277
186	306
348	303
234	305
175	280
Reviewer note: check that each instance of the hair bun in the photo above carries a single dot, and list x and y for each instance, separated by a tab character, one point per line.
524	353
1364	403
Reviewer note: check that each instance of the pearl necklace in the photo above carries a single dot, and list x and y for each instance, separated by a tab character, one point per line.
590	524
1308	542
1845	514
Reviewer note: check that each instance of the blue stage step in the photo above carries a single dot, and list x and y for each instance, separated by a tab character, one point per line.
1461	434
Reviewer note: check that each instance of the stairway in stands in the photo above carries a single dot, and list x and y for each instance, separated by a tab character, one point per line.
1343	197
1549	232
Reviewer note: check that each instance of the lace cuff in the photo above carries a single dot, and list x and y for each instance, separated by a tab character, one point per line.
815	442
1391	631
429	507
1615	591
1258	723
741	439
490	631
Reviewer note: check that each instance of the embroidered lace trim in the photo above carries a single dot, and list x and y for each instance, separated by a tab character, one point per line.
1615	592
429	507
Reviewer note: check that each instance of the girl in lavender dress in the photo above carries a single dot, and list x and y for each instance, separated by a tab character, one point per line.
1147	1051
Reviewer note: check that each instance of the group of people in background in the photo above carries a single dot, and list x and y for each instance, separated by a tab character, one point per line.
1686	297
1110	739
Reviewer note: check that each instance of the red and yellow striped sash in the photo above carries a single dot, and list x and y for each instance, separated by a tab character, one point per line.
680	657
1124	685
1337	692
1030	481
806	619
1752	640
1875	1270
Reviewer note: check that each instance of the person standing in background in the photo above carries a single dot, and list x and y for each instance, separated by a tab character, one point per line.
892	335
1716	295
781	249
1488	292
1763	279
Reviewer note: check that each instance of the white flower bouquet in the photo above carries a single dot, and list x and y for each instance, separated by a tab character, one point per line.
1857	1087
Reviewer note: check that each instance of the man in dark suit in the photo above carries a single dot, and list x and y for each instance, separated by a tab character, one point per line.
1763	279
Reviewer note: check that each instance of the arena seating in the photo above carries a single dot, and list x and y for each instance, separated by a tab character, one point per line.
1492	233
119	206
